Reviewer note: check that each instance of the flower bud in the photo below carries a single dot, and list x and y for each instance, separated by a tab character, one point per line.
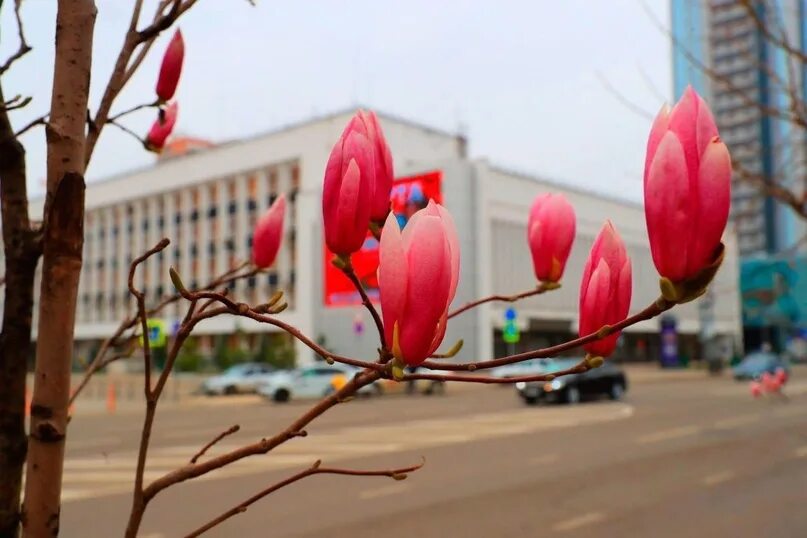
550	233
269	233
162	128
171	68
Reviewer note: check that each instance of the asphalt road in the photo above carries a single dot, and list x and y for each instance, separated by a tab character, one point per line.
697	458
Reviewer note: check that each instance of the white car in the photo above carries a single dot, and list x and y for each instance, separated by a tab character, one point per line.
528	367
241	378
310	382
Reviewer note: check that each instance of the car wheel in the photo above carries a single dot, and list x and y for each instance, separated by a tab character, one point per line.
230	390
572	395
530	400
617	391
281	395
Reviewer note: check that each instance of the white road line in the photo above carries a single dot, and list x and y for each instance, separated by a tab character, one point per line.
731	423
546	459
801	452
582	520
717	478
383	492
668	435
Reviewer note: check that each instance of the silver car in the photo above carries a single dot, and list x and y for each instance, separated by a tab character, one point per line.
311	382
239	379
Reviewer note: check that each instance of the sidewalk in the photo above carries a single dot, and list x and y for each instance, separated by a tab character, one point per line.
652	373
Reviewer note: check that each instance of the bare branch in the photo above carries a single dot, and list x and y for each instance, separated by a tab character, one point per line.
396	474
127	131
542	288
153	104
347	269
780	41
41	120
229	431
661	305
627	103
24	47
16	102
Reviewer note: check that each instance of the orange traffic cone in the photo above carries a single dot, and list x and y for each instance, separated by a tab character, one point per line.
111	397
27	402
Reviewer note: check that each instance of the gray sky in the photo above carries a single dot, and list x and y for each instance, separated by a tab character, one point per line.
524	78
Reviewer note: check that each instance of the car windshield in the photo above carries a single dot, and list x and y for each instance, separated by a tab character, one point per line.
758	360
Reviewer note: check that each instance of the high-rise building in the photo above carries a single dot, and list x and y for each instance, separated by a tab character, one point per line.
719	49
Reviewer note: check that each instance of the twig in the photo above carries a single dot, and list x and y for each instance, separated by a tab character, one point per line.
396	474
99	361
18	101
126	130
41	120
781	42
619	96
365	300
650	312
542	288
24	47
229	431
134	109
141	309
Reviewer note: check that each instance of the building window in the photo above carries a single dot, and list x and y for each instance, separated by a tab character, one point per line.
233	207
272	279
211	212
161	222
178	218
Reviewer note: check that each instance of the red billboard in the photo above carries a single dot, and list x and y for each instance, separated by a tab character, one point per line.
409	194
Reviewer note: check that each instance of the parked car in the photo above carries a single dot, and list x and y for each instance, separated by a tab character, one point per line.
757	363
311	382
607	380
241	378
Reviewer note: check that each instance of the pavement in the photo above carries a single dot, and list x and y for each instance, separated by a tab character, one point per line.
682	455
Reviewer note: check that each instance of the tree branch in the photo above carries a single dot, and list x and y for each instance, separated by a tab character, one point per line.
347	269
24	48
229	431
127	131
41	120
126	112
396	474
651	311
543	287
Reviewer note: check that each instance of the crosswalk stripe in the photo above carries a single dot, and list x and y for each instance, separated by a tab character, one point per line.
101	475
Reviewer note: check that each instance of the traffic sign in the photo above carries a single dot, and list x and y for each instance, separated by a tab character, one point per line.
510	332
156	332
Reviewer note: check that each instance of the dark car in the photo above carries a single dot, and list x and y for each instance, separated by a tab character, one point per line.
607	380
757	363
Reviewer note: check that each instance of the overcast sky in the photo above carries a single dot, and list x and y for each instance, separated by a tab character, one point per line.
525	80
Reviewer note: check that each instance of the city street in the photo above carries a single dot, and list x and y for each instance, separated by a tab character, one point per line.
676	458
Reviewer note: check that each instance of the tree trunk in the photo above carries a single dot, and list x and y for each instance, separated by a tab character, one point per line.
21	254
63	240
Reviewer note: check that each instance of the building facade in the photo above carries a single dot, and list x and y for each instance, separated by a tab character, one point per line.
207	204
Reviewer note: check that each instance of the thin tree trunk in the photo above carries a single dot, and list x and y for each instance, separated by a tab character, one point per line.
21	254
61	265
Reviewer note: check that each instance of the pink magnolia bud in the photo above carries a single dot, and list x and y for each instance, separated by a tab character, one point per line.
781	376
367	124
770	383
347	191
605	290
269	233
550	233
162	127
171	68
418	273
687	188
756	389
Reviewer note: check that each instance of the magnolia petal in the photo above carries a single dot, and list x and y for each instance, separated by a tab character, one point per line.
392	275
714	194
657	132
668	208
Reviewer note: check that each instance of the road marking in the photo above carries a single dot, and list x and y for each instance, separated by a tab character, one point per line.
97	475
717	478
383	492
801	452
731	423
546	459
668	435
580	521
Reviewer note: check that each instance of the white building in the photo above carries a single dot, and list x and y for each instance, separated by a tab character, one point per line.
207	203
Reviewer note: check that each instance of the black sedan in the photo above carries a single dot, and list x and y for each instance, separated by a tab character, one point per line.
608	380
